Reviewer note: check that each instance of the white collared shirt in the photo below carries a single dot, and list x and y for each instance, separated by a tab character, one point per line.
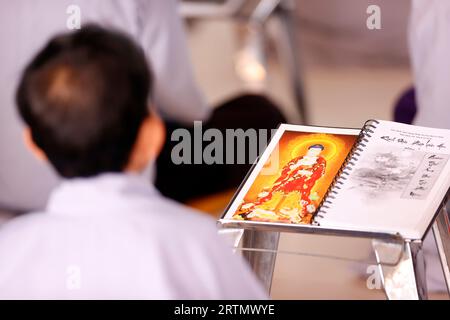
27	25
115	237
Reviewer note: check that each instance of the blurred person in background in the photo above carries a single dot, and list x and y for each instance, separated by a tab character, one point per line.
27	24
106	233
429	40
155	24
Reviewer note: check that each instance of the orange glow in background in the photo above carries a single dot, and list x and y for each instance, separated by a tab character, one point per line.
293	144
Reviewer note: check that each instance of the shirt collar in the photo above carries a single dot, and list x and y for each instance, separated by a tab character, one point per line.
104	193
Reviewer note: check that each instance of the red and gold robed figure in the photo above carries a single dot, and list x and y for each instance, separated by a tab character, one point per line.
298	175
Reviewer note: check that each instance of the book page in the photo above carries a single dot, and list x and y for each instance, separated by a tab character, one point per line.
396	184
293	175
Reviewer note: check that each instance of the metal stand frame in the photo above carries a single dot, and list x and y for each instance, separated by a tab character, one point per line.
262	262
402	269
441	231
401	263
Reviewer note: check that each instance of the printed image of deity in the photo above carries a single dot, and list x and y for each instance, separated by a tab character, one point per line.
290	198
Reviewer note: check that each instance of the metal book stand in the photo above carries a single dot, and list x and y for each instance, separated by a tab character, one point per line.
401	262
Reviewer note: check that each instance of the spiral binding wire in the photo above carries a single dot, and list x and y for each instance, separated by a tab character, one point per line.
343	173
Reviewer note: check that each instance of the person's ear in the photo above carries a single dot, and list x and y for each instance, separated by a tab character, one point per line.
31	145
149	142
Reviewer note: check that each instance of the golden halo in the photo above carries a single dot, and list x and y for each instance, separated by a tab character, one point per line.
300	146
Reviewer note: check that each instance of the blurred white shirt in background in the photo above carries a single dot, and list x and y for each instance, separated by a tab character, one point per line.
26	26
115	237
430	57
429	41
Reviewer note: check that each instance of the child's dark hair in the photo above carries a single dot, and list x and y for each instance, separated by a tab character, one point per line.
84	97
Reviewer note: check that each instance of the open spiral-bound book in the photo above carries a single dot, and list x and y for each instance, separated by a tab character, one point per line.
387	178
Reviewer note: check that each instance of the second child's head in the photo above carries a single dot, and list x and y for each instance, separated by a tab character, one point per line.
85	101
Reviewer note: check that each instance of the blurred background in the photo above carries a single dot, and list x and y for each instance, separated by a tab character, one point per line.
348	73
320	63
323	66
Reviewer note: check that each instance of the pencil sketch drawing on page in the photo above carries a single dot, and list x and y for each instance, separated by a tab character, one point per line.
385	172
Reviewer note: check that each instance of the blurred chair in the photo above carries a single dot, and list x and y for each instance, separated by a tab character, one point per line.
250	63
